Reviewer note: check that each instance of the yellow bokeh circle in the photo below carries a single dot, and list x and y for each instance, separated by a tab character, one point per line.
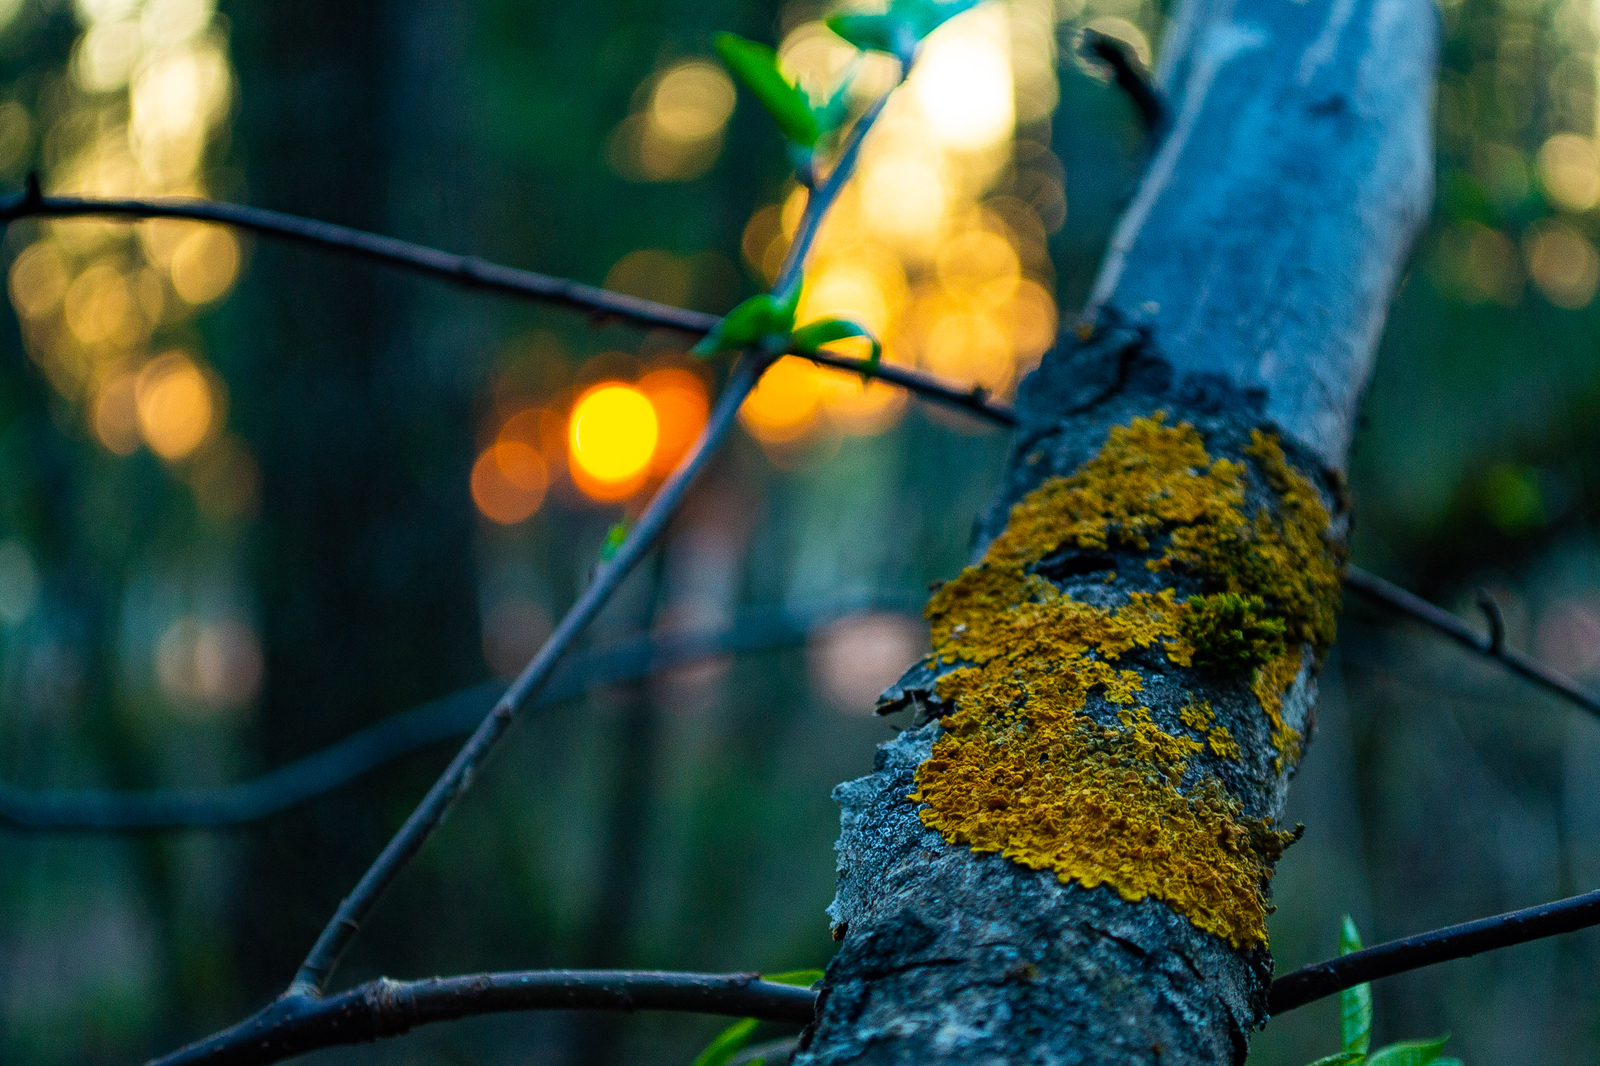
612	433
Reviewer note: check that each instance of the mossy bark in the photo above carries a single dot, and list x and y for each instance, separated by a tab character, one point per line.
1065	859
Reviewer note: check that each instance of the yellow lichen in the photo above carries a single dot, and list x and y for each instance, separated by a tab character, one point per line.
1223	746
1021	770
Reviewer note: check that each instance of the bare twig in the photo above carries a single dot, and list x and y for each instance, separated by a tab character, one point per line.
1425	949
1493	645
458	776
346	922
1131	78
407	731
469	271
294	1025
466	270
974	399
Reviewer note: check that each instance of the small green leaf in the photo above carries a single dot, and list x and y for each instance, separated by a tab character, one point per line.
728	1043
885	32
614	538
756	66
1339	1058
1355	1004
760	317
813	335
802	978
1409	1053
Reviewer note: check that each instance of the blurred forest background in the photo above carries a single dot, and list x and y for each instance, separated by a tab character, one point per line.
254	498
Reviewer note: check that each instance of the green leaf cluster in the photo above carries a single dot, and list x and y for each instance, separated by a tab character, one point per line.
765	318
1355	1026
732	1040
761	318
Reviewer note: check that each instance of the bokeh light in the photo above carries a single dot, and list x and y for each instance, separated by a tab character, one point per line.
611	436
174	404
1564	265
681	404
509	481
209	665
692	101
1569	169
205	265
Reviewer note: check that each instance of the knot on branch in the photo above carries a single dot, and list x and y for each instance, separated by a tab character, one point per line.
391	1007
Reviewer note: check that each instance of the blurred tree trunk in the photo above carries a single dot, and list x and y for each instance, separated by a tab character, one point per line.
365	549
1126	674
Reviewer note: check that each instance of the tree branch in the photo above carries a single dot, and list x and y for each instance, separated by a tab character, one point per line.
407	731
457	778
470	272
294	1025
465	270
1377	590
1130	77
1425	949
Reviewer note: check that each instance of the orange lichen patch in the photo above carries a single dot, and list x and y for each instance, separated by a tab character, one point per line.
1147	477
1021	770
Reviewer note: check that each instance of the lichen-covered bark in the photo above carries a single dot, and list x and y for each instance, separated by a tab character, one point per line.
1066	859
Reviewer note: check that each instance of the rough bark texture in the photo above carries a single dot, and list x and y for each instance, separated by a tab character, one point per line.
1242	298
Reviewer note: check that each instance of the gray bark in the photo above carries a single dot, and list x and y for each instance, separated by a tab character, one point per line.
1245	287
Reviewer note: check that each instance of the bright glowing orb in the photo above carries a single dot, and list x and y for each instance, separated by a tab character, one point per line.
612	433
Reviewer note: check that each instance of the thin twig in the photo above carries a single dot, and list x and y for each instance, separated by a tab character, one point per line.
1519	662
458	776
1425	949
407	731
294	1025
469	271
465	270
1131	78
353	910
974	399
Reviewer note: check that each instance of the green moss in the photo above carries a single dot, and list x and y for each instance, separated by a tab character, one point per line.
1230	633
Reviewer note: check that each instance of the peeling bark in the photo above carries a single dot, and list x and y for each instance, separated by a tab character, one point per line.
1244	291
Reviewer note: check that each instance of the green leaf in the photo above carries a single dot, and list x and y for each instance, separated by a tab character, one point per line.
813	335
728	1043
802	978
1339	1058
1409	1053
885	32
760	317
1355	1004
756	66
614	538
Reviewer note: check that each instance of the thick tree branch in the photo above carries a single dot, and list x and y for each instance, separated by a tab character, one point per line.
385	1008
399	734
294	1025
